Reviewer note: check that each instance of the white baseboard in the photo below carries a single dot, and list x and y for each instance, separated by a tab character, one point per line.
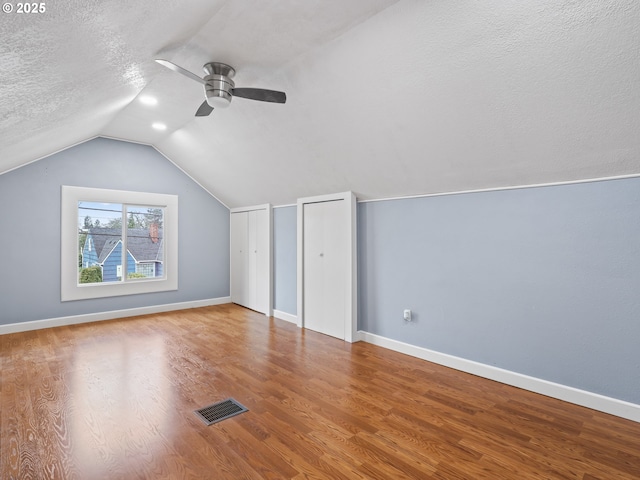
620	408
285	316
95	317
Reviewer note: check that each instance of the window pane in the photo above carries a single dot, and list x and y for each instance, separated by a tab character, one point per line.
145	245
99	242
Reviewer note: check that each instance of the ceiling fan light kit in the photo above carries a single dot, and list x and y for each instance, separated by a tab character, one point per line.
219	87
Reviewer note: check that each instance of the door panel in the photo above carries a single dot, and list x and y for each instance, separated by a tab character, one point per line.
252	270
238	227
335	267
313	269
262	261
325	253
250	259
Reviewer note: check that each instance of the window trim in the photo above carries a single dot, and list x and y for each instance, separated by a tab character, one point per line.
70	288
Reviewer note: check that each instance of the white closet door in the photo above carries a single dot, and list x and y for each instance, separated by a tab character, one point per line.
239	259
251	284
336	250
326	247
313	266
262	253
250	239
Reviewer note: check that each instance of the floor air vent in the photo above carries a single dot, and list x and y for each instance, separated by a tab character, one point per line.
220	411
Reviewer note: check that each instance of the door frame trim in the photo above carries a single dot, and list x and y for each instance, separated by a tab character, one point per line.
351	303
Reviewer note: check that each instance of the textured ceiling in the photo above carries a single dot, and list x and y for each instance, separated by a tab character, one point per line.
384	97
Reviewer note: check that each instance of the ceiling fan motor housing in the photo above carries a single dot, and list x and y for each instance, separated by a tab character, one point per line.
219	87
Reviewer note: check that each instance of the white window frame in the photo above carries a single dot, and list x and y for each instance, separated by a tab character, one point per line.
70	288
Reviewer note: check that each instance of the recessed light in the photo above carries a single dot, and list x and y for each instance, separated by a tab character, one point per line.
148	100
159	126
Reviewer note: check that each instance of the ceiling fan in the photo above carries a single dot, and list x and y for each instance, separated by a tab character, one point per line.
220	89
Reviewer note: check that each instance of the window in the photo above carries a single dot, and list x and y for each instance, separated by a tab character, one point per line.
117	243
114	238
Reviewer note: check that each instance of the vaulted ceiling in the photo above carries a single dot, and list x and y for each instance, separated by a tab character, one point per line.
384	97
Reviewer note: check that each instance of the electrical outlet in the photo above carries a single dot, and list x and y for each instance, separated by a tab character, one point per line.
407	315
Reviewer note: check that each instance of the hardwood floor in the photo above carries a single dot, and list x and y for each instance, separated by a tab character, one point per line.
115	400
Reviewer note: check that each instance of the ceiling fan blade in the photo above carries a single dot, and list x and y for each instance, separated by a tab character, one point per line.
260	94
176	68
204	109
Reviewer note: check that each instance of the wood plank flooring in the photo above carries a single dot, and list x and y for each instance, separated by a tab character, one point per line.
115	400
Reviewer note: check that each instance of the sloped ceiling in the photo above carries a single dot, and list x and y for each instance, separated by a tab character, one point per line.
384	97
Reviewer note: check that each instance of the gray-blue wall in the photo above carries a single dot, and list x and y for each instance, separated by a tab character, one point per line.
284	259
30	229
540	281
